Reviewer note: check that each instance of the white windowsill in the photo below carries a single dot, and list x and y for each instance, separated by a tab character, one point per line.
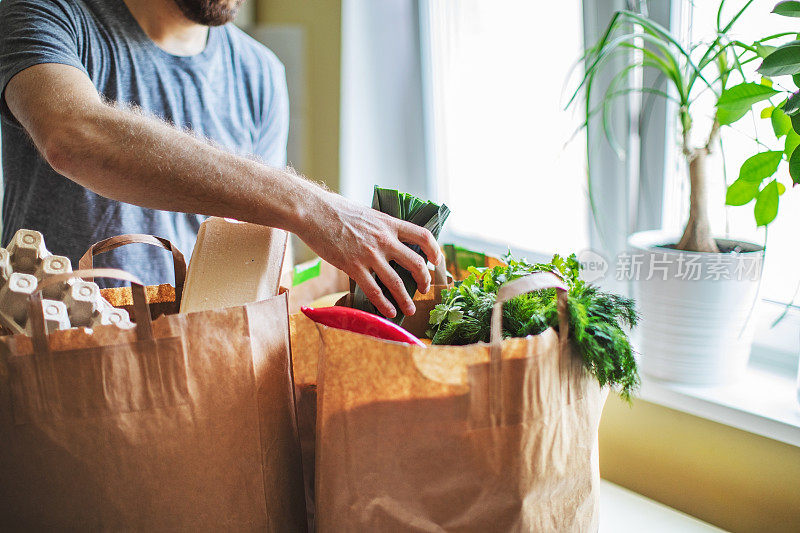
763	402
623	511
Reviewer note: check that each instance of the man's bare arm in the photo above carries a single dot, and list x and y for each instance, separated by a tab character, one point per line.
133	158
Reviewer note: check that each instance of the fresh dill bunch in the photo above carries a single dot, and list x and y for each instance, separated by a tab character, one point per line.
597	320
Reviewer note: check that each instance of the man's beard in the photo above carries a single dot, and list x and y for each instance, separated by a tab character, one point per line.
209	12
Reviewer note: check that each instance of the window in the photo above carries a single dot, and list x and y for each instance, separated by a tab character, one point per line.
502	155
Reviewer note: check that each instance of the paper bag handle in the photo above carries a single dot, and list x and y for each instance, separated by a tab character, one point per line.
537	281
106	245
440	272
144	324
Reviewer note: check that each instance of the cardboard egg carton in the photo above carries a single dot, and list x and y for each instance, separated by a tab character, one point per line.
25	263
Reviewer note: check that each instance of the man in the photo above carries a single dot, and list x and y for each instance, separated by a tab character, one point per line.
138	116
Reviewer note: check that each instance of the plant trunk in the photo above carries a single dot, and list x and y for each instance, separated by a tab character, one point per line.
697	235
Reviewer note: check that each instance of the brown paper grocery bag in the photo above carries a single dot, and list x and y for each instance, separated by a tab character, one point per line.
311	280
418	323
163	299
305	345
497	437
185	423
308	282
459	259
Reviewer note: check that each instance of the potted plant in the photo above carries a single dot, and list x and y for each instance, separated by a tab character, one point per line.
696	291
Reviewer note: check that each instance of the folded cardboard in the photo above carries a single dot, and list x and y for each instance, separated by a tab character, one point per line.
233	263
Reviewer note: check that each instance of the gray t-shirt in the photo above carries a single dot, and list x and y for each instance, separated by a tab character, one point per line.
233	92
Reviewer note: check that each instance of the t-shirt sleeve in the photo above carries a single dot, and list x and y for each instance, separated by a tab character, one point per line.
34	32
271	144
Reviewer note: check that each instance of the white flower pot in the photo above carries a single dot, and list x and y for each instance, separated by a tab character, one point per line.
696	308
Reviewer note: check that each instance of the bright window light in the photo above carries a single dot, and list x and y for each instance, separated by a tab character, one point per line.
503	162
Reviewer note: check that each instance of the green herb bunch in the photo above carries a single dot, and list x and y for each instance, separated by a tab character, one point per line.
596	319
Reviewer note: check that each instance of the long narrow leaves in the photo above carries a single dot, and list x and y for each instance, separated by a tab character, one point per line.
658	49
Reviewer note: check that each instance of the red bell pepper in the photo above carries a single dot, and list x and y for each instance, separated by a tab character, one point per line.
360	322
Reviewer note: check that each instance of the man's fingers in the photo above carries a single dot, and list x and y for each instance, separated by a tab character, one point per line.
374	293
392	280
413	234
414	263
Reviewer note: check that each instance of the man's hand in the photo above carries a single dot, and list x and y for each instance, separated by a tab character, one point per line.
137	159
361	241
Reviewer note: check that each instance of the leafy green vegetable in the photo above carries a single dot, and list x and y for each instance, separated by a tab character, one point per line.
596	318
411	209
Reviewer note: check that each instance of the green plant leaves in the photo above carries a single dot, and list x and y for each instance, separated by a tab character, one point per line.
767	204
735	101
787	9
781	123
741	192
785	60
792	105
794	166
760	166
792	140
763	50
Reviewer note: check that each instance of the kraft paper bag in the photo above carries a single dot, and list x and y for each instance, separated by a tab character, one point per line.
418	323
459	259
185	423
162	299
311	280
314	280
306	345
485	437
308	281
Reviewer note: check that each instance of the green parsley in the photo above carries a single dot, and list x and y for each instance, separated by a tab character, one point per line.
597	319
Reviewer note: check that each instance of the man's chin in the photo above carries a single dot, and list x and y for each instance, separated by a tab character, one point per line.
210	12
